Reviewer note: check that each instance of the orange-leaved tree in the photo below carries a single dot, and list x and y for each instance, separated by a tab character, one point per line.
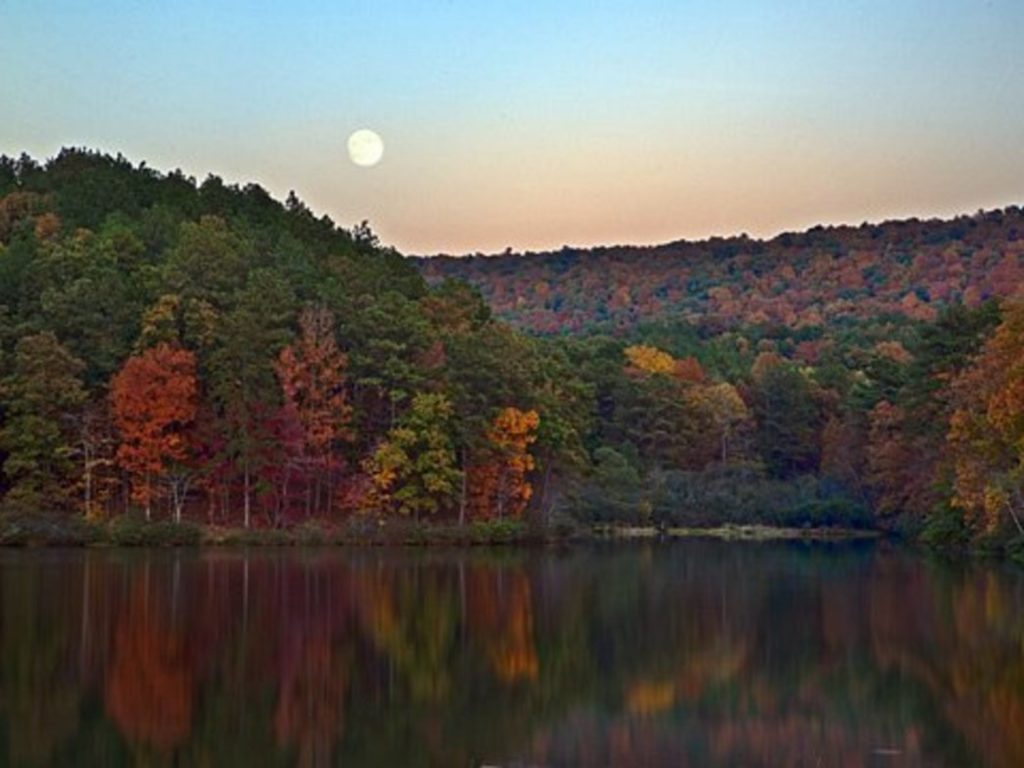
689	370
500	485
154	399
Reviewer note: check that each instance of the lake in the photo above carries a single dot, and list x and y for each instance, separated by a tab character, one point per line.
686	653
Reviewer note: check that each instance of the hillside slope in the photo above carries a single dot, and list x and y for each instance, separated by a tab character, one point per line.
179	350
825	276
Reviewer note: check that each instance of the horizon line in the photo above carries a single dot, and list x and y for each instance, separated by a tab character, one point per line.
742	235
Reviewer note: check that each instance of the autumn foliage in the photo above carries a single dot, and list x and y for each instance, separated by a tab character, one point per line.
413	469
312	375
154	399
648	359
800	280
203	352
986	432
500	486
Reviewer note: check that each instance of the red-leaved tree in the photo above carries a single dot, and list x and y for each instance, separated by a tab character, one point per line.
154	398
312	375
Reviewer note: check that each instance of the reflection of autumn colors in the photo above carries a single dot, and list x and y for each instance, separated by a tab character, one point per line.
501	617
414	631
149	689
648	697
311	699
976	668
690	654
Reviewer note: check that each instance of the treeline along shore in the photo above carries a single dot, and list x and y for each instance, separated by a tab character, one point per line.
186	361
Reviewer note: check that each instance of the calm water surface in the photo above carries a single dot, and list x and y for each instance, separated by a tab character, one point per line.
697	653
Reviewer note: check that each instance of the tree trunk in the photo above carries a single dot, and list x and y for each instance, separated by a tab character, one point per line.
330	482
463	490
1016	520
88	492
309	492
282	501
500	500
247	505
179	492
176	496
87	478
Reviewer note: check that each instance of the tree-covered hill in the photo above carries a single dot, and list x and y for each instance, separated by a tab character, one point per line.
824	277
205	349
203	352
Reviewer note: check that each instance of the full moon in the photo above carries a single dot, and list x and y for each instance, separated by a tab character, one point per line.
365	148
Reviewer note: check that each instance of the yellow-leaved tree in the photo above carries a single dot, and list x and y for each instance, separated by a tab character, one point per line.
986	434
647	359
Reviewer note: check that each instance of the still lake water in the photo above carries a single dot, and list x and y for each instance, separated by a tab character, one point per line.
692	653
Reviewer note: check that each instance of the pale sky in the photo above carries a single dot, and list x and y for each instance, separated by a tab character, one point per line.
534	125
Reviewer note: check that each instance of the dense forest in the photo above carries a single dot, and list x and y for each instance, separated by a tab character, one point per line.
201	352
825	277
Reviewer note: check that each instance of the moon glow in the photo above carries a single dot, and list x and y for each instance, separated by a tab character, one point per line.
365	148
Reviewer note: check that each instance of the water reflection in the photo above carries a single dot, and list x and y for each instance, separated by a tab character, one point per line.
689	654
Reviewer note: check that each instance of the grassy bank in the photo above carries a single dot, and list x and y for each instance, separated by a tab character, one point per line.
49	529
736	533
41	529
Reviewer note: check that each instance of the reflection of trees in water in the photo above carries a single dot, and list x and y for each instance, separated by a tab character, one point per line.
792	669
149	689
410	619
969	641
674	656
311	700
38	700
500	618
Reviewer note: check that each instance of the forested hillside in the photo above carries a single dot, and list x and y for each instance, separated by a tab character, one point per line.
871	358
827	276
201	352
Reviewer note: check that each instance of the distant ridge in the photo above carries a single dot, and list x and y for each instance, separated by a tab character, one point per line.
820	277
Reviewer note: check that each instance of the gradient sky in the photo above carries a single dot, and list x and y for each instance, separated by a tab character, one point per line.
534	125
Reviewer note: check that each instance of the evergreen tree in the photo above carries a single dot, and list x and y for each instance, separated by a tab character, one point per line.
42	398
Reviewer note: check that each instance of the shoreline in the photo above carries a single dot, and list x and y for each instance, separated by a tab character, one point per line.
56	530
733	532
